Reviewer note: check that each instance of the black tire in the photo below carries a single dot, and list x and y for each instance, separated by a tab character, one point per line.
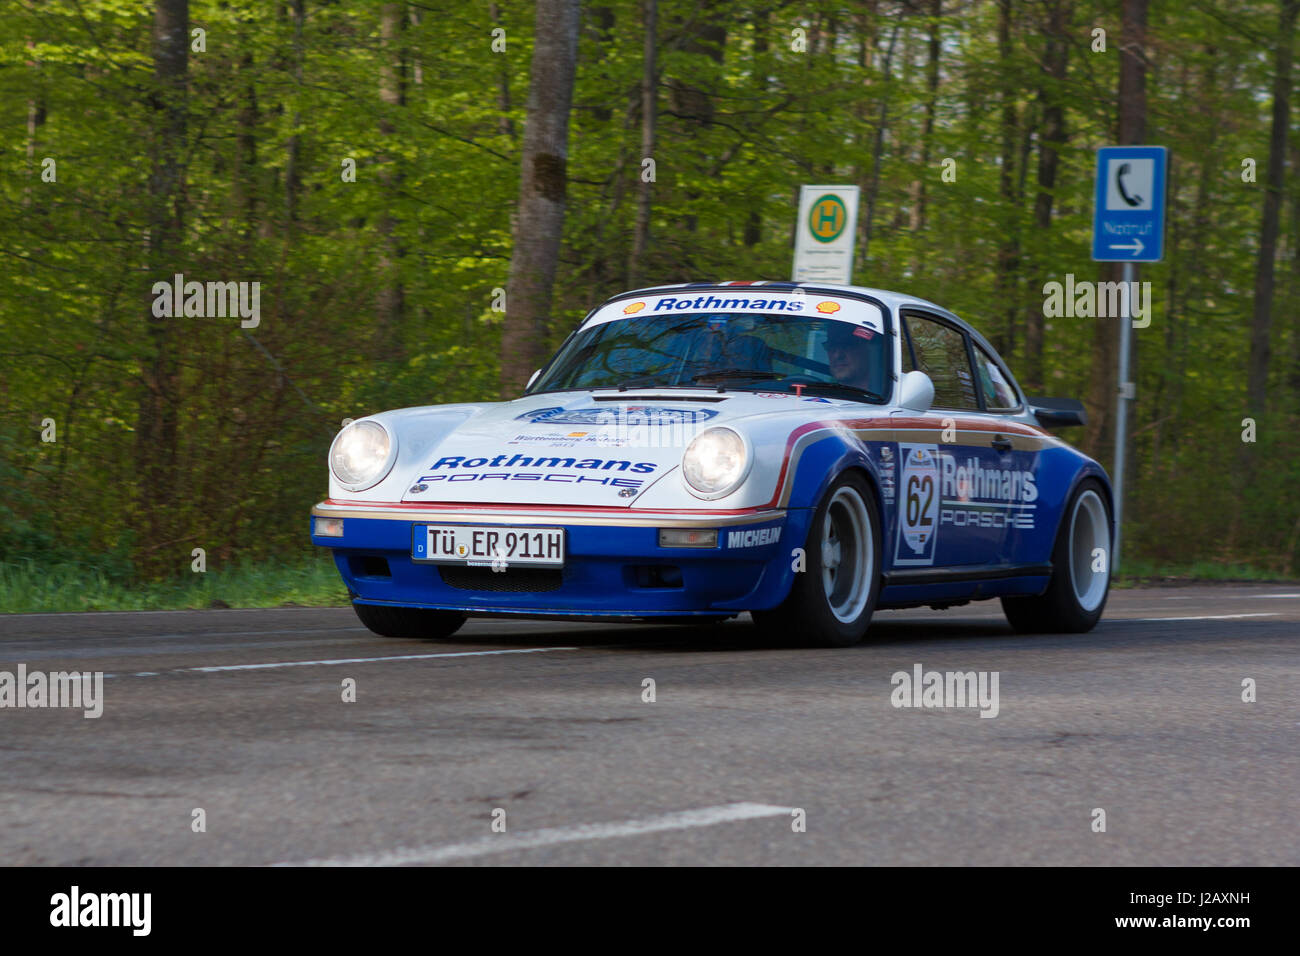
409	621
828	607
1070	604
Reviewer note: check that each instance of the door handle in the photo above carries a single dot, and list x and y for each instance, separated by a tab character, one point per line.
1001	444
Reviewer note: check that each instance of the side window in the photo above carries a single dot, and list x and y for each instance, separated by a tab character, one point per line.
941	354
998	394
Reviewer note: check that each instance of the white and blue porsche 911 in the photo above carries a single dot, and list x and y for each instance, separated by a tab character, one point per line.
805	453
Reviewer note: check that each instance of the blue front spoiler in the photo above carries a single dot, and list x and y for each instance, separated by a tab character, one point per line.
609	572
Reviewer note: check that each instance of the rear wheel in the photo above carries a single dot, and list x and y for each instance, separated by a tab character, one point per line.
1073	602
409	621
831	601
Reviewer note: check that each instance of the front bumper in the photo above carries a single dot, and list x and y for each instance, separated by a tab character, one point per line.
614	565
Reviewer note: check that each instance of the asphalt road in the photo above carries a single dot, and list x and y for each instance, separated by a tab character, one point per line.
1143	718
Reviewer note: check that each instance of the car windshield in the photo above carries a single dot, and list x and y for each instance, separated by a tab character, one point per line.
769	353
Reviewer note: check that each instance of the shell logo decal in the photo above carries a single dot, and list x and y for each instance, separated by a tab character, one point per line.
827	308
633	308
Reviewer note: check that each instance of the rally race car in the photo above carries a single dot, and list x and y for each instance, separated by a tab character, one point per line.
805	453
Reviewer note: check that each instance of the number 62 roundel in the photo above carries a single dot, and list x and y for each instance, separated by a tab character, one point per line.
918	505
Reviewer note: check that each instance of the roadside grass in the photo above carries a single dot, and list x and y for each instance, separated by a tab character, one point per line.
1136	572
29	586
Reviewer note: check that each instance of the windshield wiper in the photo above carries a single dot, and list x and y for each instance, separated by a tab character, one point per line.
840	389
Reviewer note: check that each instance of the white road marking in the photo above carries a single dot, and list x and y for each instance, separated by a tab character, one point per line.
508	842
181	610
1274	595
1203	617
371	660
344	660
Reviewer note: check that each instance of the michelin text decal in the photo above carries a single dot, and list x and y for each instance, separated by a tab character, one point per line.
753	538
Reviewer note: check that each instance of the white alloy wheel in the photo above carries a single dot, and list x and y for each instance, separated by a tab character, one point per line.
848	554
833	594
1089	531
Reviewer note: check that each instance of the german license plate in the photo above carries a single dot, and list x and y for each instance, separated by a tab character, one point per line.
478	546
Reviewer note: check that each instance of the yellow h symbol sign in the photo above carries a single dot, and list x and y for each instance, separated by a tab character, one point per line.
828	218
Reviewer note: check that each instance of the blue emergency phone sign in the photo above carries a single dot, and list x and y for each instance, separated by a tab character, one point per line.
1128	222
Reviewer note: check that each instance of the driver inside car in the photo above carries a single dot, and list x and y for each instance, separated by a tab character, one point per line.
850	356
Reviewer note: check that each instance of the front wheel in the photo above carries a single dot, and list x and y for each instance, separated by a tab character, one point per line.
409	621
831	601
1076	596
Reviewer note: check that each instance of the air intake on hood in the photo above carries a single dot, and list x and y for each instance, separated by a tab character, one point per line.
624	397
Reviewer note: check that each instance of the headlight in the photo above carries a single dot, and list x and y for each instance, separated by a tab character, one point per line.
715	463
362	454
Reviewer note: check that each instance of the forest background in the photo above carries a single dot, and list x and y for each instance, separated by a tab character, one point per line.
362	161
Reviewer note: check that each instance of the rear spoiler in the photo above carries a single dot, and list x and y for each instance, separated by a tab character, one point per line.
1058	412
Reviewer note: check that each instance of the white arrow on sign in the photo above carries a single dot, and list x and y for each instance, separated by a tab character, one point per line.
1136	246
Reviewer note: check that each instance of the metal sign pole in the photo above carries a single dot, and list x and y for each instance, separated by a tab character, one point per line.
1125	395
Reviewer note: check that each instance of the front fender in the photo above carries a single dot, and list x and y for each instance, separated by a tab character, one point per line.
819	464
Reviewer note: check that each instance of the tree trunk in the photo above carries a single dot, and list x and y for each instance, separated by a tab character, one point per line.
704	32
602	18
156	429
865	22
1051	92
1293	296
1185	268
36	115
1099	438
878	147
931	101
292	177
245	186
1009	246
1262	321
543	179
505	125
390	302
649	109
753	234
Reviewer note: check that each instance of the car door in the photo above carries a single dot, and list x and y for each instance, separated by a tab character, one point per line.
1000	400
952	471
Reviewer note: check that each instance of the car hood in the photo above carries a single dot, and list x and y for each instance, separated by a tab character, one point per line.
603	448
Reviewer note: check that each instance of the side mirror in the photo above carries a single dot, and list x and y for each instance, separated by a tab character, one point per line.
532	378
916	392
1058	412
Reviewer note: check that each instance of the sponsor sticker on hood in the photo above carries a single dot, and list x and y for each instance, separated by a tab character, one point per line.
618	414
